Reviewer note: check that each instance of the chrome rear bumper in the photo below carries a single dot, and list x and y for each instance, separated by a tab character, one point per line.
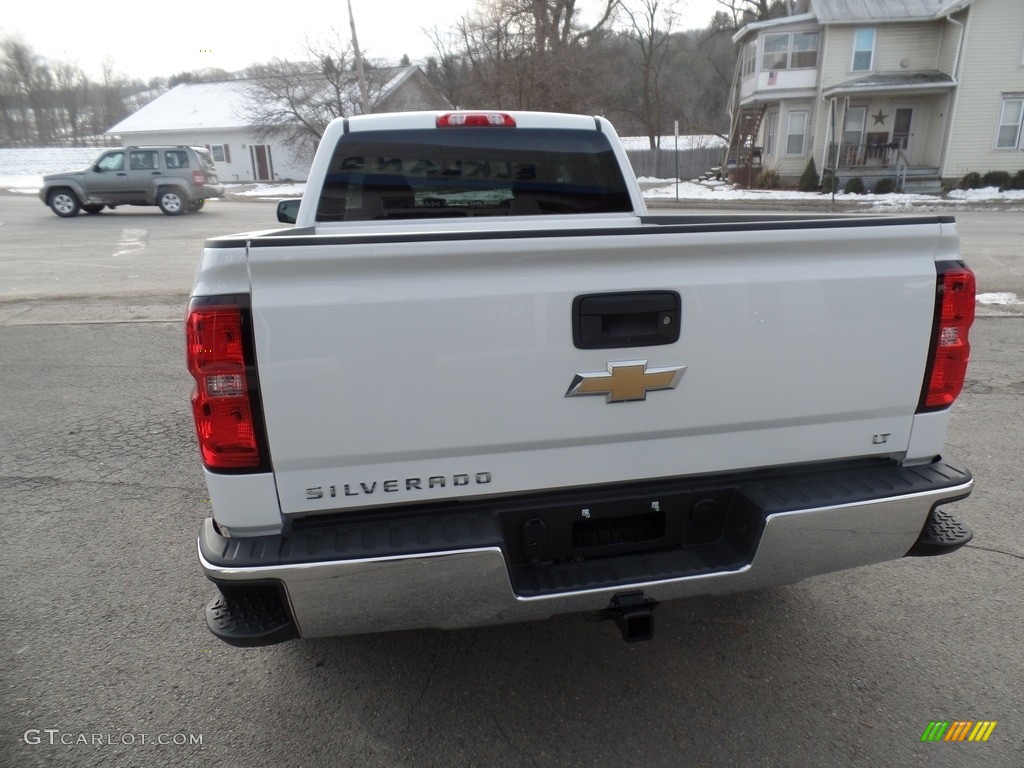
474	584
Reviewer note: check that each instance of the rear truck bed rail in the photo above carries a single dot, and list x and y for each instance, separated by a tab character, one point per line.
617	551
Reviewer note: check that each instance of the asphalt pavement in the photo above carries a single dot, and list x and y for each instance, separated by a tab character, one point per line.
106	659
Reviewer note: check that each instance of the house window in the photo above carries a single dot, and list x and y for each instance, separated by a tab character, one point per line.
776	52
771	131
863	50
796	50
805	50
749	57
221	152
796	133
1008	133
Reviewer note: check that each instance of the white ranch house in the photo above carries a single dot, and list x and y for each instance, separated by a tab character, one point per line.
213	115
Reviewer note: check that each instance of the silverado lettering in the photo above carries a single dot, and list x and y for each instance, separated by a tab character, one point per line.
447	276
394	486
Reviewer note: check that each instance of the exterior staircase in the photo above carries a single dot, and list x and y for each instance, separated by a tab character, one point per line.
746	124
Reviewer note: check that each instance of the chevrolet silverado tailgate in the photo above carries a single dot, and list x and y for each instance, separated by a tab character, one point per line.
418	367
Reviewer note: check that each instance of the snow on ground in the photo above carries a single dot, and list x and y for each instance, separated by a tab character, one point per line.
22	170
265	191
1000	299
656	189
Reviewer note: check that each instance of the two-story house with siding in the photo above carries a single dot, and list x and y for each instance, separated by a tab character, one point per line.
916	91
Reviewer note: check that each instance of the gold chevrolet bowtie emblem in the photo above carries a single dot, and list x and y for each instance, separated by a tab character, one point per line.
625	381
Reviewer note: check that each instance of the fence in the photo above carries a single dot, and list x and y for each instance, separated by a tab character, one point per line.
661	163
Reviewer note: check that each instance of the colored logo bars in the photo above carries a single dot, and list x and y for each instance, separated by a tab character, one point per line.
958	730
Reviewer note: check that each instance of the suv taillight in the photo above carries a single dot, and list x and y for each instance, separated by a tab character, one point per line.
198	178
225	399
950	348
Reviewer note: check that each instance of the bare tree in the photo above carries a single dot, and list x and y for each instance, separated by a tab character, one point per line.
26	82
529	54
294	101
650	27
72	101
741	12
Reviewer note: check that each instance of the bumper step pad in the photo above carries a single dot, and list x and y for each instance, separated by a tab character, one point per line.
942	534
248	620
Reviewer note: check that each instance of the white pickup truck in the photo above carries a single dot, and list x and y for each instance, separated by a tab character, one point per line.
478	383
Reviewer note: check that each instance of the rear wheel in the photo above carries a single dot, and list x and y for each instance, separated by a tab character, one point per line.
64	203
171	202
92	207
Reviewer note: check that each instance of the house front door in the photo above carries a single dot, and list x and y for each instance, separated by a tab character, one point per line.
903	128
262	163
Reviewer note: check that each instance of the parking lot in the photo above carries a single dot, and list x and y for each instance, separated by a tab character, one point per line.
106	659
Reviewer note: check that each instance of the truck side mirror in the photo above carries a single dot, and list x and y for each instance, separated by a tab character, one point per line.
288	211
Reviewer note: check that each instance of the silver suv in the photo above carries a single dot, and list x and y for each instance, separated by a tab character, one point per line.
178	179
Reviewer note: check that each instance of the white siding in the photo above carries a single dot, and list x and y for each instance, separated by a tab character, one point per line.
915	45
990	66
240	167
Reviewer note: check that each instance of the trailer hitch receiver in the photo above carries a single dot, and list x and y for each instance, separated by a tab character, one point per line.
634	615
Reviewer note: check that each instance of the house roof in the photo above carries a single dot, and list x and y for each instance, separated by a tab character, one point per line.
191	106
217	105
918	82
860	11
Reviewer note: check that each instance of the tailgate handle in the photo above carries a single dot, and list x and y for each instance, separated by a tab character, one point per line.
634	319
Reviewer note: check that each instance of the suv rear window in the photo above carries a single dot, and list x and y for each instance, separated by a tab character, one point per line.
205	159
176	158
453	172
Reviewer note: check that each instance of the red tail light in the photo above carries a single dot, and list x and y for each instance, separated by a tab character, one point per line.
198	178
476	119
951	348
222	402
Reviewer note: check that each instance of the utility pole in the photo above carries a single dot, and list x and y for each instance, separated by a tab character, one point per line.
364	96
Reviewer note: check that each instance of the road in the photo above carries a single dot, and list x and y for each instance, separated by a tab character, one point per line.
105	652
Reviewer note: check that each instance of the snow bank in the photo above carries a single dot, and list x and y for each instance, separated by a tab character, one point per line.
22	170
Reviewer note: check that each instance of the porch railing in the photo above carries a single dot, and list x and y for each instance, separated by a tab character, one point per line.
844	156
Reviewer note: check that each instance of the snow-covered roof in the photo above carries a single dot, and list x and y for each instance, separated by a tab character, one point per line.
217	105
191	106
858	11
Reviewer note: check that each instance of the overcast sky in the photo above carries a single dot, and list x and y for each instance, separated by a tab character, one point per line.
159	40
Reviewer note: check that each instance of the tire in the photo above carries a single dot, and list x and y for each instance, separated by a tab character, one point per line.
92	207
196	205
64	203
171	202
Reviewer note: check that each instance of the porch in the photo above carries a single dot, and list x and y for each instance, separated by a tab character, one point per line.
879	159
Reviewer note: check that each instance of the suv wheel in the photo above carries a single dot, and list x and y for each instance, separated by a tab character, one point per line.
64	203
171	202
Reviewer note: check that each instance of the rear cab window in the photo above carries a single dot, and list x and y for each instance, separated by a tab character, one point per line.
410	174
